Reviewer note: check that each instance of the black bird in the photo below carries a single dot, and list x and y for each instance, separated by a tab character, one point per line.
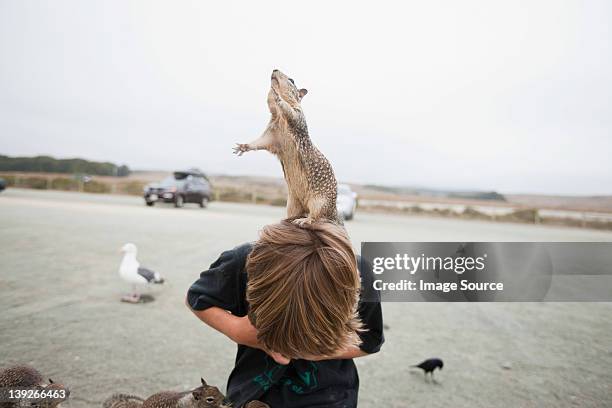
428	366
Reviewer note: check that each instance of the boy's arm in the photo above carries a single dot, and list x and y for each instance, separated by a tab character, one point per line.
219	319
241	331
238	329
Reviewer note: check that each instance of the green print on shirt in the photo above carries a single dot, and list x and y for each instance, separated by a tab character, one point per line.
306	380
265	379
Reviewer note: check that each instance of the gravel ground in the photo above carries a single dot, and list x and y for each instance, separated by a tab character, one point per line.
61	311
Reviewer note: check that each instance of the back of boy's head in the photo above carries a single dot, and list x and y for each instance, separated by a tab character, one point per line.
303	289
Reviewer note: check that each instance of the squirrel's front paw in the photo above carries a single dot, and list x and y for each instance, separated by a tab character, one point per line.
241	148
303	222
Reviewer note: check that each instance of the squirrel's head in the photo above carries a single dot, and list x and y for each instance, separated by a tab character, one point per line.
208	396
57	392
286	89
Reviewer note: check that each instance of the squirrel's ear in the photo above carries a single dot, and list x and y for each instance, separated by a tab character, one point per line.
303	93
203	382
50	381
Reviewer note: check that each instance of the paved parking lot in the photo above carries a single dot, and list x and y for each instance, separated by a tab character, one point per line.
61	312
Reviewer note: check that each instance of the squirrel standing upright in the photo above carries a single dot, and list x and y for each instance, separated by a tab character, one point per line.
310	178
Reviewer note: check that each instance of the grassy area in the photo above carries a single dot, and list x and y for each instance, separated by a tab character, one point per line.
272	192
222	191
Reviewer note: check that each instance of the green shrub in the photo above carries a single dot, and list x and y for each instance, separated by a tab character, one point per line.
38	183
607	225
132	188
529	215
235	196
66	184
415	209
10	180
258	199
470	212
443	211
96	187
279	202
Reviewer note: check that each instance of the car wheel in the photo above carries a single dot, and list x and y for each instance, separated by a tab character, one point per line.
179	201
150	203
204	202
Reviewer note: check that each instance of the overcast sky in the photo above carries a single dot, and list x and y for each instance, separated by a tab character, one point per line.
505	95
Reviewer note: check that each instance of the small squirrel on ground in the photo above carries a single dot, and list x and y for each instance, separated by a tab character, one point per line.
20	376
51	402
24	377
205	396
123	401
310	178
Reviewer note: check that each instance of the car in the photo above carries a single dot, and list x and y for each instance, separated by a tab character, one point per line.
189	186
2	184
346	202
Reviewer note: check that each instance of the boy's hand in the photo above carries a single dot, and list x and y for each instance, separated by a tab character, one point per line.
279	358
243	332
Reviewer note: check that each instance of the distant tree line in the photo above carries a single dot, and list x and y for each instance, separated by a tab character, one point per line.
477	195
47	164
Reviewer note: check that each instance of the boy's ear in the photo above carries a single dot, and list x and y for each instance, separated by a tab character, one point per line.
303	93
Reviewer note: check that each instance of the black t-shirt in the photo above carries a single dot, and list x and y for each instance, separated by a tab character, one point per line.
301	383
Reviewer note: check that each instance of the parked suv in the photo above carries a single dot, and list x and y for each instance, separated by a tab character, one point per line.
191	186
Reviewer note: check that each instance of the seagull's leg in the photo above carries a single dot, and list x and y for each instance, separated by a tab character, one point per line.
136	293
129	297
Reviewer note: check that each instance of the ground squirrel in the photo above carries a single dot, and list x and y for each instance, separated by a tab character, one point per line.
205	396
310	178
123	401
48	402
19	377
22	377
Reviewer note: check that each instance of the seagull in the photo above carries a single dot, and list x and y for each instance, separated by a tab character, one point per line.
131	272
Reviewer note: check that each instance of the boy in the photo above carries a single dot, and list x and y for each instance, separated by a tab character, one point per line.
293	306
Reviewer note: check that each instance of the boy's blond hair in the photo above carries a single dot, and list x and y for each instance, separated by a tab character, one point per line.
303	289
